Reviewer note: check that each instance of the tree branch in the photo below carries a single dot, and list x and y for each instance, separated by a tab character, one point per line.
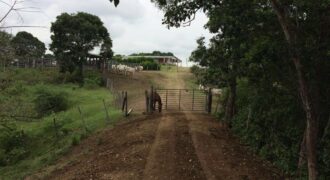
7	27
9	11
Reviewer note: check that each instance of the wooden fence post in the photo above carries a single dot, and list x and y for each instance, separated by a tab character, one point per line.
126	104
107	118
209	106
82	119
151	99
55	127
147	102
123	102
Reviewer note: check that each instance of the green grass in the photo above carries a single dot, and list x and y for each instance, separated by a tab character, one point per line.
168	68
44	147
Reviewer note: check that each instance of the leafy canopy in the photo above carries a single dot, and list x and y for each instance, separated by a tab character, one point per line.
74	35
26	45
6	50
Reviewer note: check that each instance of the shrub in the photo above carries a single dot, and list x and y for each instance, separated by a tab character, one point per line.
75	140
16	88
194	69
13	146
93	79
91	83
150	65
269	121
48	101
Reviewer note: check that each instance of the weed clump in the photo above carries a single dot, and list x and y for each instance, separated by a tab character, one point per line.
48	101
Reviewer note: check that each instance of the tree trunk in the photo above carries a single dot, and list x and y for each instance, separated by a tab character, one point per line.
230	106
312	125
312	122
302	154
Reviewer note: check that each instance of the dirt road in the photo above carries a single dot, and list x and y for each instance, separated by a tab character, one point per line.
171	145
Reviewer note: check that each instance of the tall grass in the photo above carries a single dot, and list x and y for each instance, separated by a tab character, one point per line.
48	140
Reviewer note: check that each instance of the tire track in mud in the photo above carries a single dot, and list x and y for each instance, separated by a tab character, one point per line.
173	155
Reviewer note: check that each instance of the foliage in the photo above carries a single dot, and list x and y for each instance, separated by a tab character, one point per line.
154	53
150	65
106	51
73	36
200	74
93	83
13	145
147	63
48	101
116	2
274	47
28	46
6	50
117	57
35	143
261	109
138	60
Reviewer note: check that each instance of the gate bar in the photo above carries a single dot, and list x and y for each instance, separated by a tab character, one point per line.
180	99
166	98
193	100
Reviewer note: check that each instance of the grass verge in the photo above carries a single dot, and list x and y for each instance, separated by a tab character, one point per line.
52	136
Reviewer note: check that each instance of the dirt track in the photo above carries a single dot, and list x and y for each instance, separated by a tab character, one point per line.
163	146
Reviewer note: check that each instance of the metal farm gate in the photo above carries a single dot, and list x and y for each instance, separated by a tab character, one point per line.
184	100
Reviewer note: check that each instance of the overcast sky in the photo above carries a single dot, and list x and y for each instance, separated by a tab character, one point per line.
134	26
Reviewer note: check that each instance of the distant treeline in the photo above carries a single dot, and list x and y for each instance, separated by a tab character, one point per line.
154	53
147	63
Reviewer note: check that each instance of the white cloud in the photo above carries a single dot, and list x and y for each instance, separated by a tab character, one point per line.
134	26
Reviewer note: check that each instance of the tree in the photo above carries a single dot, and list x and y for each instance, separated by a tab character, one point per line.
28	47
73	36
6	50
106	50
228	46
222	68
301	38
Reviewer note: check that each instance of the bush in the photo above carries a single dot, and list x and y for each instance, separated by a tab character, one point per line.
147	63
269	121
92	83
16	88
93	79
194	69
13	146
75	140
48	101
150	65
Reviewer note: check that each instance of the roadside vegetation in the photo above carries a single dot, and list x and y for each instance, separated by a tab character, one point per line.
40	119
46	108
272	63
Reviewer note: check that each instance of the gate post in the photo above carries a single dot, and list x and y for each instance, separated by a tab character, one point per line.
209	101
151	99
166	99
126	104
147	102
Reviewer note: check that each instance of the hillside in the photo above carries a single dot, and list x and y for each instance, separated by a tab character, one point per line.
170	145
